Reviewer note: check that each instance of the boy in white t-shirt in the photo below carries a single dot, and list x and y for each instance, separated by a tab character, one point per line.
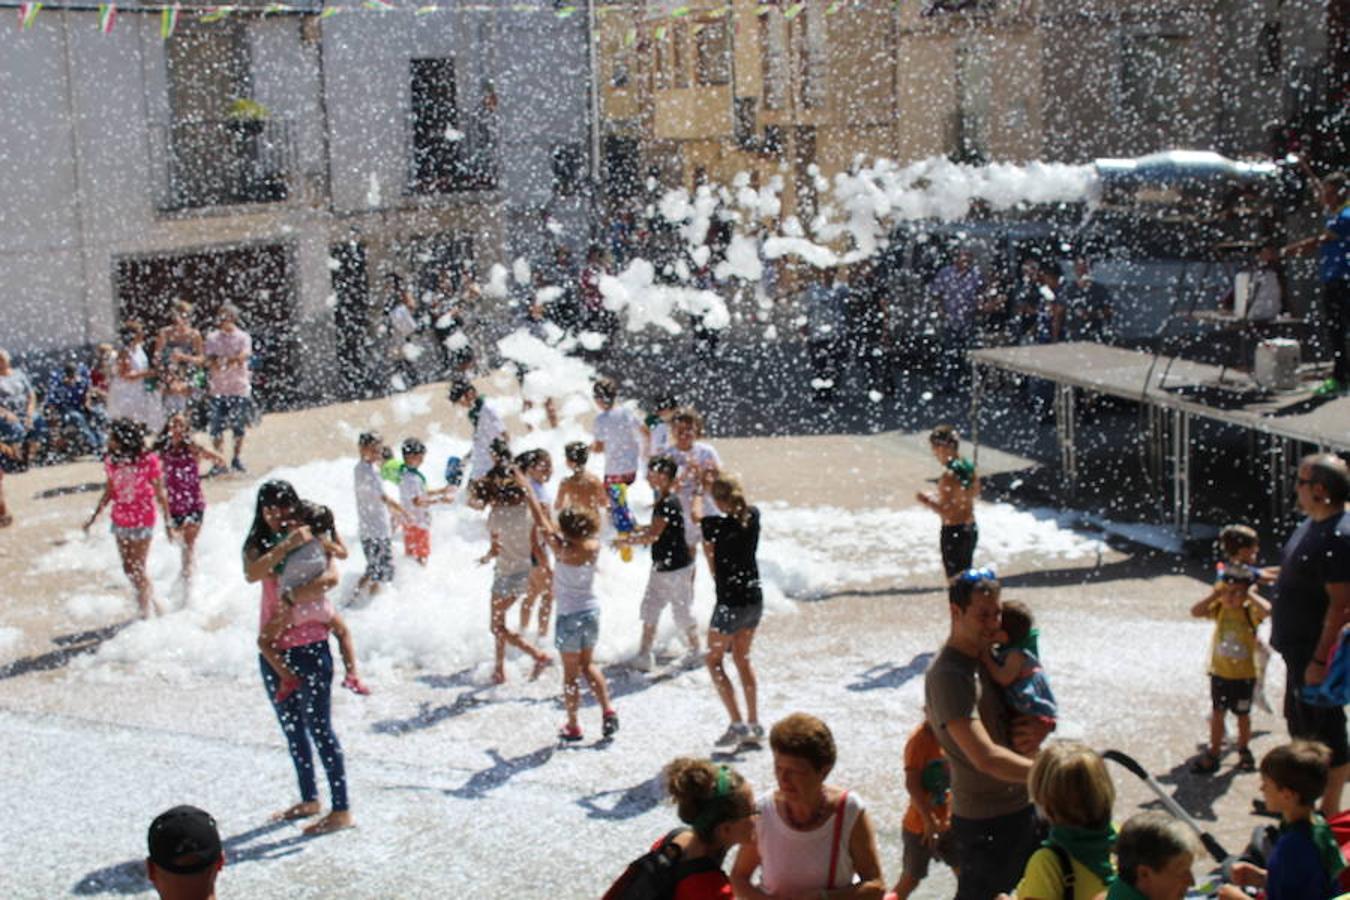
657	425
618	434
374	528
699	465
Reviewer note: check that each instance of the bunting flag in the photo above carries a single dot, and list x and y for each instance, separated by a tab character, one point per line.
169	12
168	21
28	13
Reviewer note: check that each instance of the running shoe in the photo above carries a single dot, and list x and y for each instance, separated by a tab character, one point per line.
642	662
570	733
753	737
611	723
692	659
1328	388
216	471
730	741
238	466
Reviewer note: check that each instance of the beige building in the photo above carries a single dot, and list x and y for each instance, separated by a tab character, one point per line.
714	88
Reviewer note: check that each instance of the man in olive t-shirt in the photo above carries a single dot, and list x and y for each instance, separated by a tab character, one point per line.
993	820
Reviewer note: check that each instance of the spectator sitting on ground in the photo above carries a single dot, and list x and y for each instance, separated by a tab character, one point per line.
1154	855
1305	861
185	854
20	425
67	404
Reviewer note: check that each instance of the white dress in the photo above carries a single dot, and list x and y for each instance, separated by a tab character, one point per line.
128	398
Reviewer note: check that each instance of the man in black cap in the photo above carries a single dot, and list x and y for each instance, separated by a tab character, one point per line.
185	854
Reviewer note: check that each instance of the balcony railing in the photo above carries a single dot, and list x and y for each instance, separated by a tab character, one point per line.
220	163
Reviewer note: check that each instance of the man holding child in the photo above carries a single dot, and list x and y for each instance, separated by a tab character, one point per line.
989	747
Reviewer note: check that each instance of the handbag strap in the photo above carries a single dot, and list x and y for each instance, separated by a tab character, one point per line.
838	832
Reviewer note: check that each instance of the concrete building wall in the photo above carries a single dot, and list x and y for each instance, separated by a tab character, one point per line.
84	112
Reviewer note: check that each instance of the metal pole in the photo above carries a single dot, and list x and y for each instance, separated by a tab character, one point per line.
976	391
1181	474
1064	432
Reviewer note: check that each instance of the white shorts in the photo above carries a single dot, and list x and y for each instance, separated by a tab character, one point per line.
674	589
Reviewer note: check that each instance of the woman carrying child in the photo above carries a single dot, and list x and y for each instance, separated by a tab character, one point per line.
284	547
511	529
1072	789
135	486
577	630
733	536
182	457
538	468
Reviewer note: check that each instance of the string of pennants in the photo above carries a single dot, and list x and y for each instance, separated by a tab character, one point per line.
170	14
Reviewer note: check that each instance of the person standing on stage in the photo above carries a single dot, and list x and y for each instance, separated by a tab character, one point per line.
1333	245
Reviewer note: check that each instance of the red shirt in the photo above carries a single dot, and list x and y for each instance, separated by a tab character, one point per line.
132	488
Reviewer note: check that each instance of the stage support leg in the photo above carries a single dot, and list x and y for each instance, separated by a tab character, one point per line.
1279	454
1064	432
1181	472
976	398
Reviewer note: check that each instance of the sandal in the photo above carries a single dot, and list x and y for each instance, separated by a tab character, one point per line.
570	733
1246	762
1206	764
354	684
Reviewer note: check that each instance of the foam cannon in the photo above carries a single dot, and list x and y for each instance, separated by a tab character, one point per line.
1193	184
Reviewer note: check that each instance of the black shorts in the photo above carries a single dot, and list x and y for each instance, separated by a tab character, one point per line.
1316	723
958	547
189	518
1232	695
731	619
379	559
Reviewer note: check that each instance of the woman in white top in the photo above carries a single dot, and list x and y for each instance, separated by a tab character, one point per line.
813	840
128	395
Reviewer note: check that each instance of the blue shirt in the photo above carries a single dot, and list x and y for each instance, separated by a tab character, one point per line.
1296	870
1336	253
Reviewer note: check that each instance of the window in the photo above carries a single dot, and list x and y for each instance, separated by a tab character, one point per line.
771	57
743	127
679	55
713	46
454	144
775	137
619	76
811	57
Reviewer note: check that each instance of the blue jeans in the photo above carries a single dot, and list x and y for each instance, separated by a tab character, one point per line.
74	418
307	714
18	433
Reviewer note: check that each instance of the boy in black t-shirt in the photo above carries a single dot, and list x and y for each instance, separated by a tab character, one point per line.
672	578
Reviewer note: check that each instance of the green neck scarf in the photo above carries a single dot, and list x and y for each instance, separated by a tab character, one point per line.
407	468
1090	846
963	469
1325	842
1122	891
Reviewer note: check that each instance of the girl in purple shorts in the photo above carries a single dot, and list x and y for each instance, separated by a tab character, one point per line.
182	457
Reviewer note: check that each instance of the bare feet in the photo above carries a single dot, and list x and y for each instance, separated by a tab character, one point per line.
336	820
6	520
498	676
298	811
540	664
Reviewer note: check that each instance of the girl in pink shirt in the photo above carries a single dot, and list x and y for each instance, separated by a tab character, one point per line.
181	457
135	486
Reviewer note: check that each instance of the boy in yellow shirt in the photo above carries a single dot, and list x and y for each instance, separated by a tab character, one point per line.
1236	611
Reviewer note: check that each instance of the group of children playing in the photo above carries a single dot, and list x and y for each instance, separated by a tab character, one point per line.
544	550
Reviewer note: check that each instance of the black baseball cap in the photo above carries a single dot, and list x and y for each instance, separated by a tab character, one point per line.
184	840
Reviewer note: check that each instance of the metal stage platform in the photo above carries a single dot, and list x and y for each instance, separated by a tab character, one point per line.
1173	392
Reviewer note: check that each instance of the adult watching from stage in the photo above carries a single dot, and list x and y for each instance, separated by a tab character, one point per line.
1333	247
990	748
185	855
1311	605
1087	305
